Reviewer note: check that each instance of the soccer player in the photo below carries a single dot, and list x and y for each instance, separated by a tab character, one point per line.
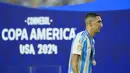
82	50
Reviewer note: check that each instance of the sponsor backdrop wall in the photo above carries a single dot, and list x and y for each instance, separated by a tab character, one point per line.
39	40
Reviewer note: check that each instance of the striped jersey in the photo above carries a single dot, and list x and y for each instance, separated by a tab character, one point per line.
83	45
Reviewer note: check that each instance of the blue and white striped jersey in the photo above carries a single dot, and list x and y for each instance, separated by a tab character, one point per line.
83	45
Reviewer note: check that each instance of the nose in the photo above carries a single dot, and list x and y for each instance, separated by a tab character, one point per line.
101	25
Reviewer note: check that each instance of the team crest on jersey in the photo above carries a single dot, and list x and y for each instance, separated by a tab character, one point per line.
89	47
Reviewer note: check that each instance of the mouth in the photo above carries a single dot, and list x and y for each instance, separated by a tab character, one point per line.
99	29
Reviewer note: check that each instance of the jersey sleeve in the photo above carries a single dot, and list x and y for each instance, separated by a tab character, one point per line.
77	44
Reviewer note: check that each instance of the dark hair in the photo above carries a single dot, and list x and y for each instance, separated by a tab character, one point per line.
91	15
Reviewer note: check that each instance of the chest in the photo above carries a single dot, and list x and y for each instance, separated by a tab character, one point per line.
89	46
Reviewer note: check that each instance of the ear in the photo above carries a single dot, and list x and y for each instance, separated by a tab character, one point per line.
90	22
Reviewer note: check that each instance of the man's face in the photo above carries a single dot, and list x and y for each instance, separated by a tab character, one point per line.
97	24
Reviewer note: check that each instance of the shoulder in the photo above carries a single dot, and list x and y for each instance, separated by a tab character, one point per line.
80	34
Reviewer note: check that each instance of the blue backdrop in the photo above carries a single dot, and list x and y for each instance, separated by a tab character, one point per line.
112	43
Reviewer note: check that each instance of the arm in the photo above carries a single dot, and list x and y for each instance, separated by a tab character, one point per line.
74	62
76	52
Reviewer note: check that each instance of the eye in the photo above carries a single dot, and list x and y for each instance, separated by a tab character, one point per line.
99	21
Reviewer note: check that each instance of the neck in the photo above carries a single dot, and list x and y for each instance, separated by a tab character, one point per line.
91	33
